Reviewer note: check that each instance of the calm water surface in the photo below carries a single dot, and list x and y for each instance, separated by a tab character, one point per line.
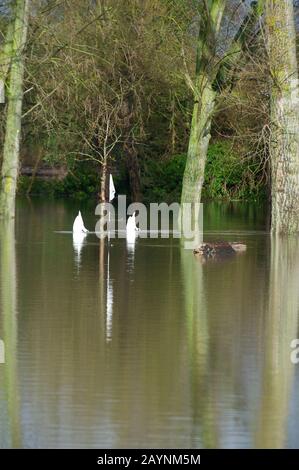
144	345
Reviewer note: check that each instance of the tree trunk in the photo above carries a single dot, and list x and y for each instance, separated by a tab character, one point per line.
284	145
210	78
198	145
103	180
10	162
5	60
204	101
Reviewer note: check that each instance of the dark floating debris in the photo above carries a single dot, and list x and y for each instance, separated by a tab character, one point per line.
219	249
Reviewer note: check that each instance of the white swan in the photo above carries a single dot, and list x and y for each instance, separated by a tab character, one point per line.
131	238
78	225
131	224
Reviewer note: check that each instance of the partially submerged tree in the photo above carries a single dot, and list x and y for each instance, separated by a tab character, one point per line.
204	100
284	95
214	73
10	163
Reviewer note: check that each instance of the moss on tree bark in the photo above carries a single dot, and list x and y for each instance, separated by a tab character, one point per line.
284	143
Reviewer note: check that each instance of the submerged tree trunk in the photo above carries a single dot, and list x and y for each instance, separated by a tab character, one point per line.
284	144
10	162
204	101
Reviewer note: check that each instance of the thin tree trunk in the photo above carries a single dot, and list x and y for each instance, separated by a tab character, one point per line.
10	162
284	145
103	180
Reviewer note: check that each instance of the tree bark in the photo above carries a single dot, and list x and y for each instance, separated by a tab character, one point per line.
5	60
198	144
10	162
284	144
103	180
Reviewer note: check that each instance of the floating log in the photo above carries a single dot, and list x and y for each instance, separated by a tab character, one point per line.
219	249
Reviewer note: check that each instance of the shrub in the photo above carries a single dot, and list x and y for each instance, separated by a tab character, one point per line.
227	176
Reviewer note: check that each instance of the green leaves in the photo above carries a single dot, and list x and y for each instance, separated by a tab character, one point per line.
229	176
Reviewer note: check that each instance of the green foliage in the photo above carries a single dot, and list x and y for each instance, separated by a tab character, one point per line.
162	181
82	182
229	177
226	177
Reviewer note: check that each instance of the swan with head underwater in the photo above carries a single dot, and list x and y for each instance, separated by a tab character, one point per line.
131	233
131	227
78	225
79	234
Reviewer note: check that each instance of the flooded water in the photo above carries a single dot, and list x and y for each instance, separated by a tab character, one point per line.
143	345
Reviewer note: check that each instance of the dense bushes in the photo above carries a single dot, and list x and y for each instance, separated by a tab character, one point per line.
81	182
162	181
227	177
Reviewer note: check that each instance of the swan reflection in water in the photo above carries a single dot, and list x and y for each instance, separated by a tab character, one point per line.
109	302
130	243
78	243
131	237
79	235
